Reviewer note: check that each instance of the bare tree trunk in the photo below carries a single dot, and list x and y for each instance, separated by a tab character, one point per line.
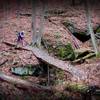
73	2
89	24
34	35
41	28
37	24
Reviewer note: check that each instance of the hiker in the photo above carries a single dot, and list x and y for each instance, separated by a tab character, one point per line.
20	38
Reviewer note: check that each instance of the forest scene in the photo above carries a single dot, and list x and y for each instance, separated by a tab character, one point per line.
49	50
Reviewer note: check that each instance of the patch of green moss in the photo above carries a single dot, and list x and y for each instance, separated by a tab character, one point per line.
98	55
24	77
60	74
98	30
77	87
66	52
59	77
82	33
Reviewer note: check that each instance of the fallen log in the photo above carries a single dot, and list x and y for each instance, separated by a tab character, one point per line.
81	50
23	83
14	45
45	57
75	87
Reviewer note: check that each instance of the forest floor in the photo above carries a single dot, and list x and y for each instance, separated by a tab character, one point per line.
54	33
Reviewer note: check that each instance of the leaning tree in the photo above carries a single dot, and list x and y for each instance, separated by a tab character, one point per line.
89	23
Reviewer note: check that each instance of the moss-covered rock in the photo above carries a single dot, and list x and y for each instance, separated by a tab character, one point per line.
27	70
82	36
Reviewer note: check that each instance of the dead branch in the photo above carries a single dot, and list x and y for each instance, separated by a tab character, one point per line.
3	62
85	57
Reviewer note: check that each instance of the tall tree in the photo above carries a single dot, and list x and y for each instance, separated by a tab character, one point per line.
89	24
37	24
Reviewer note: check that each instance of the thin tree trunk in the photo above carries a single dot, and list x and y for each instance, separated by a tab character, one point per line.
89	25
36	26
34	35
41	28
